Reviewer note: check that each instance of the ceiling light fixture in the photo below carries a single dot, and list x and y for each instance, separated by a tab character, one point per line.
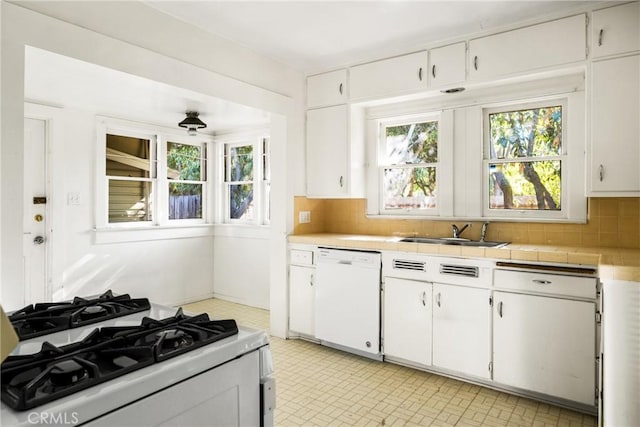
192	123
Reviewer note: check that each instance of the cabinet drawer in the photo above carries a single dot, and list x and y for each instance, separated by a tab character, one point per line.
582	287
300	257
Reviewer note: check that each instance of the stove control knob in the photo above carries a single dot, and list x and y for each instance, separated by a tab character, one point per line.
38	240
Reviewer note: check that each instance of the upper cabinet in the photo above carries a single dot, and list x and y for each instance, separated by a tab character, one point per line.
615	128
448	65
616	30
389	77
527	49
327	89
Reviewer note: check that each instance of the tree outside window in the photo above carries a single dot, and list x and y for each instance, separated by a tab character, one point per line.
186	166
410	165
525	159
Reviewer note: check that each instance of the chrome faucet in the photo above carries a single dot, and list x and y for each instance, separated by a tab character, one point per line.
483	233
458	231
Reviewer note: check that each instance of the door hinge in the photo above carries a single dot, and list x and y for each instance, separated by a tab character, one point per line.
490	366
598	317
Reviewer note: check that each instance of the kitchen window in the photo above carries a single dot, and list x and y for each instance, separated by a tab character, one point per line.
525	160
246	179
409	165
151	176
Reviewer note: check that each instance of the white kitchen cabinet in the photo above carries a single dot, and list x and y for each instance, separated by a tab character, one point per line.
461	329
448	65
533	48
545	344
301	299
327	152
616	30
407	320
327	89
389	77
615	129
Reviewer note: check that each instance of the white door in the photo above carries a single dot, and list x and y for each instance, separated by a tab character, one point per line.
407	320
546	345
35	211
461	329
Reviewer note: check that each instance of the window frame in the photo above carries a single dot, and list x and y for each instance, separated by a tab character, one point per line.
260	201
158	137
563	157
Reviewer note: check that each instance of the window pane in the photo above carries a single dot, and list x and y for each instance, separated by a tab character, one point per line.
525	185
240	163
526	133
241	201
412	143
185	201
410	188
184	161
127	156
129	201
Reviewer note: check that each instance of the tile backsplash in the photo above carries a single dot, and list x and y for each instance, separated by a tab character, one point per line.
613	222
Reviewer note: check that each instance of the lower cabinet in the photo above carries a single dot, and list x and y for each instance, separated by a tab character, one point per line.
301	299
461	329
407	320
545	344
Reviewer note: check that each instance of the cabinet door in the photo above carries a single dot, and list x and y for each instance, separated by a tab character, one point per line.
301	299
448	65
545	345
615	128
461	329
407	320
327	89
616	30
327	152
528	49
389	77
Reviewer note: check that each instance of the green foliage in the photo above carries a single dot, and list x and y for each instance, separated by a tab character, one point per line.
240	169
187	160
415	143
523	136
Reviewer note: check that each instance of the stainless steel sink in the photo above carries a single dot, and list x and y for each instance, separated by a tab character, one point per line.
454	241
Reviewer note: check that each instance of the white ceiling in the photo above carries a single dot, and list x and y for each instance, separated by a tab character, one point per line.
59	80
321	35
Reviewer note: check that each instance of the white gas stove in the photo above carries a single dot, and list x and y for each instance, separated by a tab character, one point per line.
180	371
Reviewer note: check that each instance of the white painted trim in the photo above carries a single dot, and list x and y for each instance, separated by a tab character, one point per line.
243	231
111	235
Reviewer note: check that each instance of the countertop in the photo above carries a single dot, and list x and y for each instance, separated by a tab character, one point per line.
612	263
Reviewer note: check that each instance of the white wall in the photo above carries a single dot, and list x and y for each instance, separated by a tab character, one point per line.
255	81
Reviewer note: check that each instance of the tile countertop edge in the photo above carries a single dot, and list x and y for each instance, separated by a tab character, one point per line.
612	263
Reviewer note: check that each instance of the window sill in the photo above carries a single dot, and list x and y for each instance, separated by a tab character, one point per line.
109	235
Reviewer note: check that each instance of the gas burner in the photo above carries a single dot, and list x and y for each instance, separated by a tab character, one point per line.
40	319
30	380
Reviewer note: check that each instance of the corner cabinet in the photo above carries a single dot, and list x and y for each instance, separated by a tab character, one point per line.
615	128
324	90
407	320
537	47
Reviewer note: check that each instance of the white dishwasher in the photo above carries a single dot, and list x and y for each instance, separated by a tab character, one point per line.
347	296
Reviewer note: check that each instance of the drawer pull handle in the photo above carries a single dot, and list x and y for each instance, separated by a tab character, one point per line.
500	309
541	282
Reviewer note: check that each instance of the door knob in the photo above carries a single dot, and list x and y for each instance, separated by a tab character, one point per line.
38	240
